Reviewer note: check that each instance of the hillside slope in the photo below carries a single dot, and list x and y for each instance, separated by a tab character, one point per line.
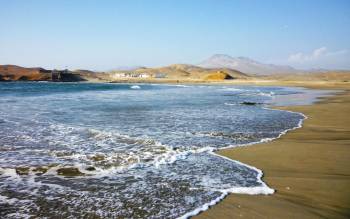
245	65
184	71
17	73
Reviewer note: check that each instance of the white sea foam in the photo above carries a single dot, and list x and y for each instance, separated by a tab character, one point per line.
263	190
20	215
231	104
84	142
172	156
7	200
181	85
268	94
135	87
203	207
232	89
257	190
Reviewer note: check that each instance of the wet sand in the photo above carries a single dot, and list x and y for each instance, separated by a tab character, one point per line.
309	167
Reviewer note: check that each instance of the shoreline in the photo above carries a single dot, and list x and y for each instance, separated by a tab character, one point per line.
261	190
248	206
287	201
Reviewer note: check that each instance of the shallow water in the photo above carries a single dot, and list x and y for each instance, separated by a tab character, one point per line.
141	150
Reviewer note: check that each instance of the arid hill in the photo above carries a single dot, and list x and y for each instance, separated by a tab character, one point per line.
17	73
171	73
178	72
246	65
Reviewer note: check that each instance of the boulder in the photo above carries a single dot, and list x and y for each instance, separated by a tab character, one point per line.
69	171
22	170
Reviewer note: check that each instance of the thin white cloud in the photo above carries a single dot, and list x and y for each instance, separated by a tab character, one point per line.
316	55
339	52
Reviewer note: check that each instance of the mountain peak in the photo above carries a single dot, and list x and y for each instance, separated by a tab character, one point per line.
245	65
220	56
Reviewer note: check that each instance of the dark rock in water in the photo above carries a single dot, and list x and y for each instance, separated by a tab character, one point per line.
63	153
53	165
250	103
22	170
69	171
90	168
98	157
40	170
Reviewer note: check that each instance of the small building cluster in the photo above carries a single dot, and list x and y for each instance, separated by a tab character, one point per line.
131	75
137	75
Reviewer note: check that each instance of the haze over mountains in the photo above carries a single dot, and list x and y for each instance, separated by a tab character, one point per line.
246	65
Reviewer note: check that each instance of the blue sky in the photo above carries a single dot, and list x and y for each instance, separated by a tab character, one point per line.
102	35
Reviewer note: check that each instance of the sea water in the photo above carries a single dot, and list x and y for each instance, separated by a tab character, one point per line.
142	151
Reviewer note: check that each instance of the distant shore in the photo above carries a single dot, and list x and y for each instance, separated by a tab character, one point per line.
176	73
308	167
317	84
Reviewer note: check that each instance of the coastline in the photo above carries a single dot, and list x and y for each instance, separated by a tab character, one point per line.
307	167
291	181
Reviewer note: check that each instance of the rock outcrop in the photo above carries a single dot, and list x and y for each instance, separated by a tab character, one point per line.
17	73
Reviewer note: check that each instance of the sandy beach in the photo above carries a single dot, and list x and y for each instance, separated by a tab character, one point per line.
175	109
308	167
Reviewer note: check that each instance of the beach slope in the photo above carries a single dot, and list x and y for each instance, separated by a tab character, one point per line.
309	168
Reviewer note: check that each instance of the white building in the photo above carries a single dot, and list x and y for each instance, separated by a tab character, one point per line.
130	75
144	75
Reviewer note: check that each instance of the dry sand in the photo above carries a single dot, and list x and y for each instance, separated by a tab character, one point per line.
309	167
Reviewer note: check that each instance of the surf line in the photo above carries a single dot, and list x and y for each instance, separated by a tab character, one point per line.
258	190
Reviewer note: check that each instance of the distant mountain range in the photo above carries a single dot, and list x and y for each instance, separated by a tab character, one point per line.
246	65
217	67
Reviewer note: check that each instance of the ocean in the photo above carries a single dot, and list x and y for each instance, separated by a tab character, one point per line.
94	150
